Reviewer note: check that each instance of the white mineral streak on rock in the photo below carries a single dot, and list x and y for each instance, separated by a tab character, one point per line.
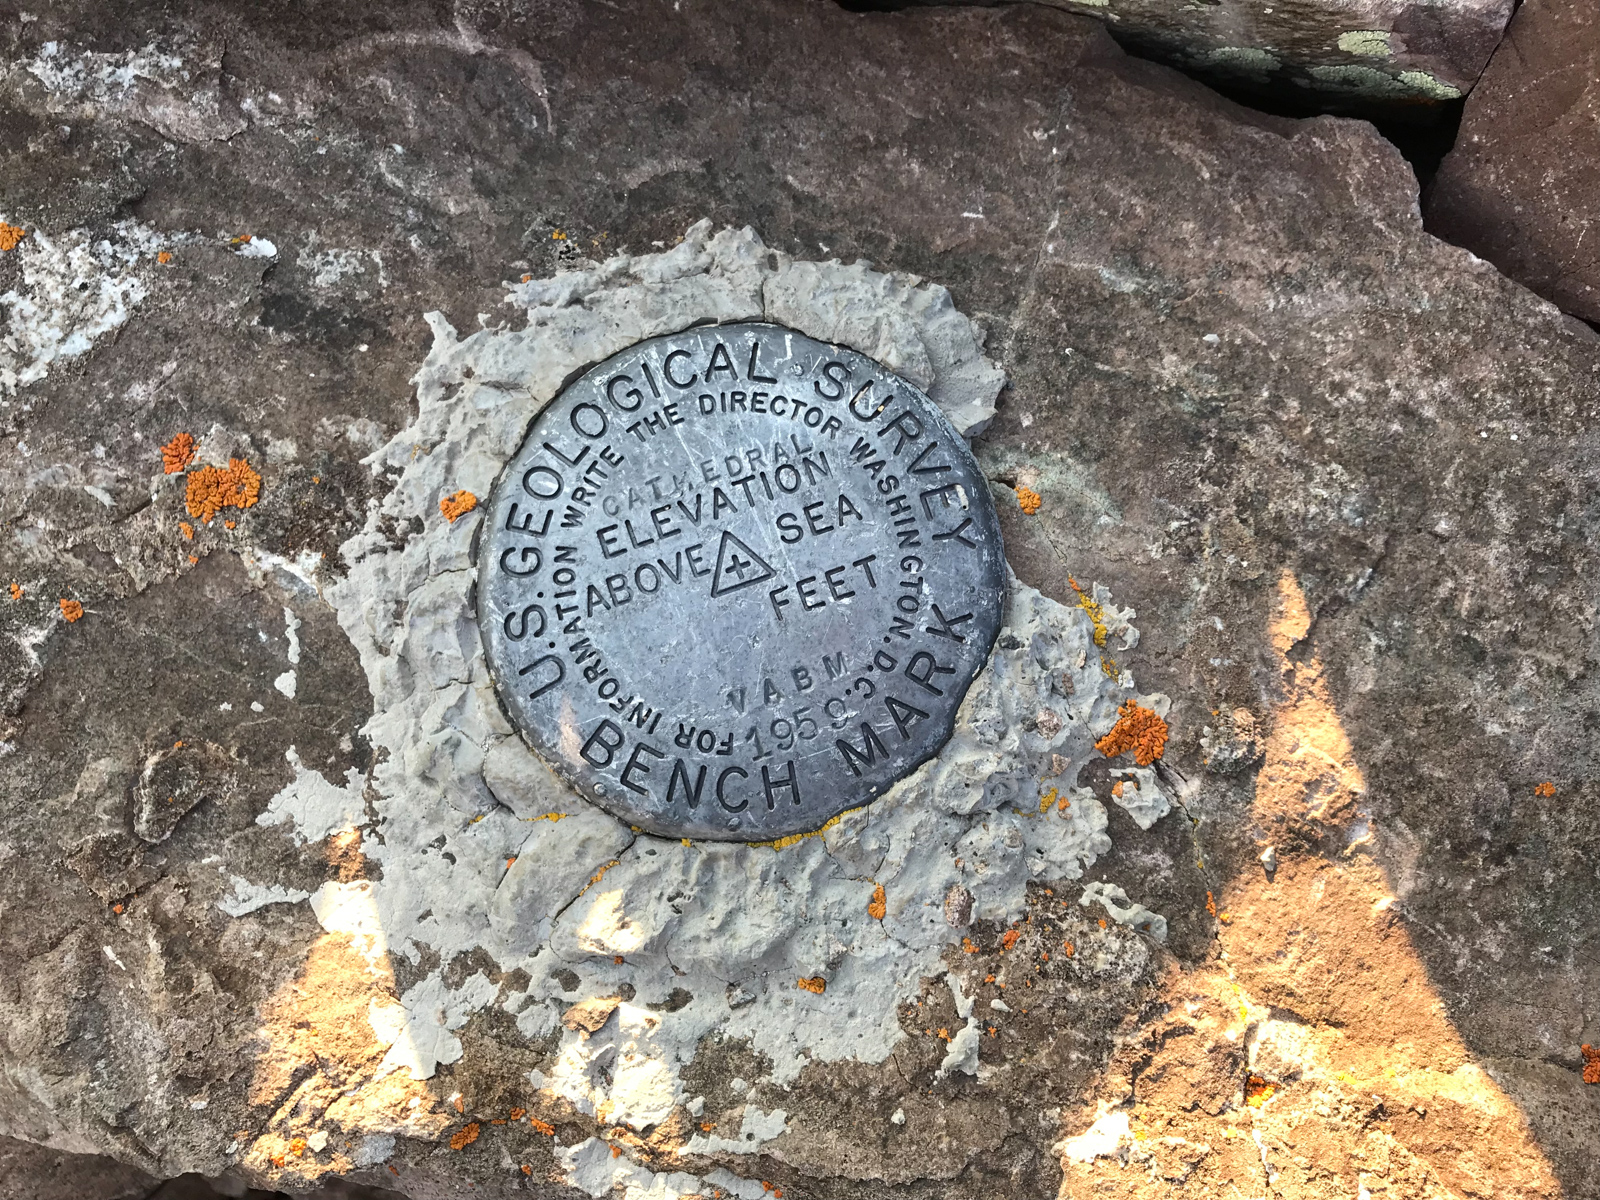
963	1053
755	1128
1141	796
247	896
257	247
74	290
314	805
175	89
291	632
591	1168
349	909
1124	911
580	890
419	1030
1104	1139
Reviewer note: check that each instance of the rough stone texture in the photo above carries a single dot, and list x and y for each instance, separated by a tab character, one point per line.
29	1172
1343	471
1522	185
1378	57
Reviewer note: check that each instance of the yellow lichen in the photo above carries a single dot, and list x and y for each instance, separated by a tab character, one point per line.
1090	605
1257	1091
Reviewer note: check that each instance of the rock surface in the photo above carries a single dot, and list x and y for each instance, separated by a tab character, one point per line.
29	1172
1522	185
1373	57
1342	471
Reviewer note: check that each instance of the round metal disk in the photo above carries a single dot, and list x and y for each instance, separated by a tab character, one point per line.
737	581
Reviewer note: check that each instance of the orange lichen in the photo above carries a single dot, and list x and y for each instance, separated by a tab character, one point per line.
297	1147
177	454
526	1169
117	908
968	946
1591	1063
1102	922
193	559
1137	729
1010	939
465	1138
815	984
1029	500
186	529
459	1106
164	257
230	524
879	904
211	489
1211	905
616	1152
1069	948
71	610
1547	788
1257	1091
458	505
1116	788
10	235
516	1114
543	1127
944	1035
16	591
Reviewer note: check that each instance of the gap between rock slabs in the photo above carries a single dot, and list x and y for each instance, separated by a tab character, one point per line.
1422	134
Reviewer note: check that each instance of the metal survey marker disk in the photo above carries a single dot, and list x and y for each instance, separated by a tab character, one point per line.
737	581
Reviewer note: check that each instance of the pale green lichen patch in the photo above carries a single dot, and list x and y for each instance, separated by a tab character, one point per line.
1251	61
1429	86
1368	81
1369	43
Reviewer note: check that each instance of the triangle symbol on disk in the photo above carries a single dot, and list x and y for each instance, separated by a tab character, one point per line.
738	566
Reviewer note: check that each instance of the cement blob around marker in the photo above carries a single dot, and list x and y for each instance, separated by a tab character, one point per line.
482	849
